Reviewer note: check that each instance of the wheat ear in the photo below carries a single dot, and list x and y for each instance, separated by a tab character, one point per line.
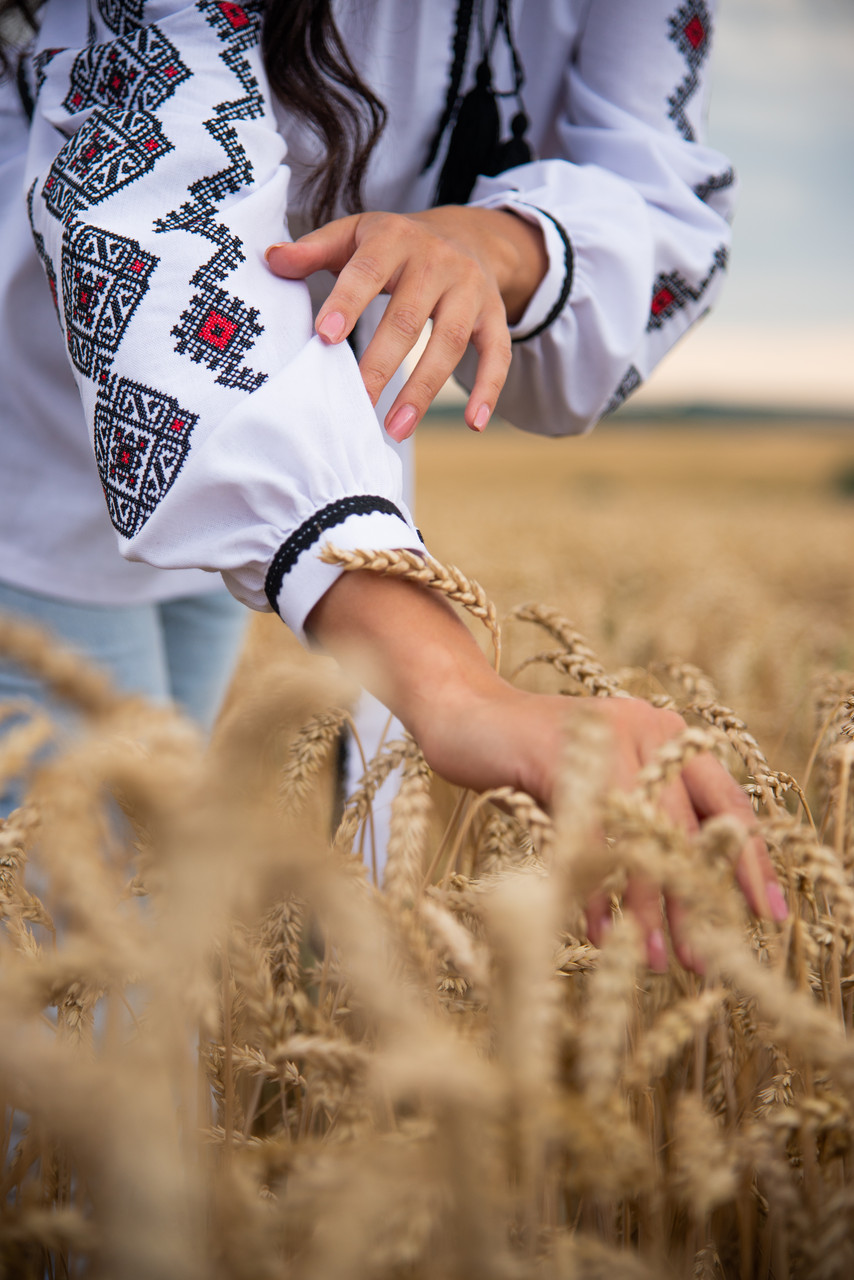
419	567
575	659
69	676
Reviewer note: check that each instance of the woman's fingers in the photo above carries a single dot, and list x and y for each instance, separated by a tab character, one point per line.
434	266
680	933
364	257
643	899
703	790
712	791
491	340
455	324
328	248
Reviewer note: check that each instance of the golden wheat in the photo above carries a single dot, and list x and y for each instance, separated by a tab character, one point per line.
224	1053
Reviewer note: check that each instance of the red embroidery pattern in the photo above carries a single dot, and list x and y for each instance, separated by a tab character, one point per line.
104	279
142	438
137	73
217	328
105	154
691	32
671	292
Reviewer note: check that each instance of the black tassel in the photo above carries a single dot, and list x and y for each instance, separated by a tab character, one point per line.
474	141
516	149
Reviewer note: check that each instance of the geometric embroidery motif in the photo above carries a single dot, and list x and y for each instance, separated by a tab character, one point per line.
234	19
41	62
671	291
121	16
105	154
715	182
217	329
630	382
38	240
142	439
691	32
104	278
135	74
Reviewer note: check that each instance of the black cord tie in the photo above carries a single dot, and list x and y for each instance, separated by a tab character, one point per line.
475	147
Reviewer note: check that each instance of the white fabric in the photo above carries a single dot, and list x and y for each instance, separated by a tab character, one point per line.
616	96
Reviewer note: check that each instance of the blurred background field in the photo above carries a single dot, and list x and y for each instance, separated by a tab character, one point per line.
729	546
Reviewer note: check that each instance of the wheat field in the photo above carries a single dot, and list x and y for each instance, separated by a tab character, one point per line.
224	1053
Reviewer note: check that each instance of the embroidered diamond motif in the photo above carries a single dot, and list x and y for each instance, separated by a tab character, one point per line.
217	330
690	30
672	292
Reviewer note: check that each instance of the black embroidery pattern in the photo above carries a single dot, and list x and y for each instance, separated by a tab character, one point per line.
121	16
715	182
217	329
691	32
104	278
671	292
566	287
311	532
137	73
105	154
46	261
142	438
630	382
41	62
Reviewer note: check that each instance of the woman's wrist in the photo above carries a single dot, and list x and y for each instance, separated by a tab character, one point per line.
520	258
406	644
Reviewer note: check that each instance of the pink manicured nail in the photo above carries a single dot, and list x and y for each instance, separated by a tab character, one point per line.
481	417
776	902
402	424
656	951
332	326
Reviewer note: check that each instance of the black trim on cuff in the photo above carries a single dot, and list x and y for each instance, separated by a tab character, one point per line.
309	533
569	267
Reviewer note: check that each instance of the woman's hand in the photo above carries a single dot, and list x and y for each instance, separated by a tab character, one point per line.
469	270
480	732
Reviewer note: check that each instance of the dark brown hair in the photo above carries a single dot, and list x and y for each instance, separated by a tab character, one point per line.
311	74
25	11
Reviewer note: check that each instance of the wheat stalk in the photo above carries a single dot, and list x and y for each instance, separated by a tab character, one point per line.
419	567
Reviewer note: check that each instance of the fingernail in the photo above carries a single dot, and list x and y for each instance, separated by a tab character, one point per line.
272	248
656	951
481	417
402	424
332	326
776	902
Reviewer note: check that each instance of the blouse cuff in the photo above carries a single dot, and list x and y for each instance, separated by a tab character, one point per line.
553	290
297	577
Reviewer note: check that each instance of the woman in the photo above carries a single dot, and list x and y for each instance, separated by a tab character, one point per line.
234	430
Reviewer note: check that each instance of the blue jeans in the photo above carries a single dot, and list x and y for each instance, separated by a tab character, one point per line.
180	651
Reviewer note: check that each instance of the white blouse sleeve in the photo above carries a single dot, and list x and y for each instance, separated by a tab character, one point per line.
227	436
635	210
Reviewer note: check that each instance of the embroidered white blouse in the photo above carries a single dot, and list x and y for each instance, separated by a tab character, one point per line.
226	435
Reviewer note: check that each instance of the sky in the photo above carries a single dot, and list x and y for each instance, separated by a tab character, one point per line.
782	110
